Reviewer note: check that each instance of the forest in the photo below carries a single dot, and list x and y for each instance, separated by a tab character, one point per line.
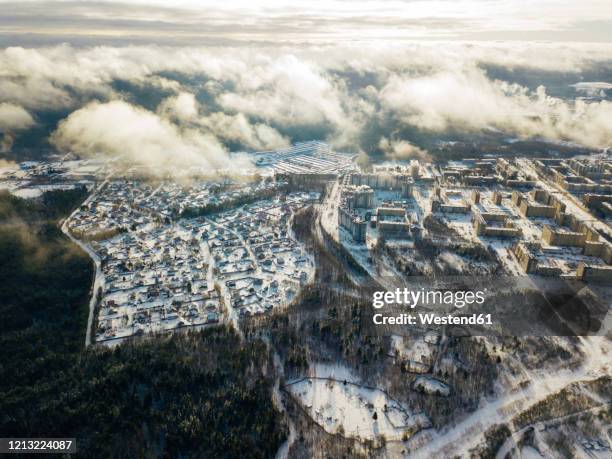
197	394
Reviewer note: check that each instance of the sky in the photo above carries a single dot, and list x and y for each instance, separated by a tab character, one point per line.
187	82
208	22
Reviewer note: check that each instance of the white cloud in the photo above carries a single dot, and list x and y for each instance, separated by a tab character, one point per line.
6	143
460	99
120	129
287	90
14	117
237	128
467	100
313	21
259	97
184	108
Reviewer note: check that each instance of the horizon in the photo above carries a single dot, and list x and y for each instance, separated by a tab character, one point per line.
207	23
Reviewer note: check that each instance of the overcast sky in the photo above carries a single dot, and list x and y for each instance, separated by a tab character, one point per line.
205	21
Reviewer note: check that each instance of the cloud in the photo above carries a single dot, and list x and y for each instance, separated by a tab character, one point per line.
352	95
119	129
402	150
6	143
14	117
287	90
4	164
467	100
235	128
182	107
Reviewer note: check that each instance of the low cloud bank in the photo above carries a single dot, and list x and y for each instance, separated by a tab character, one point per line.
470	101
203	101
119	129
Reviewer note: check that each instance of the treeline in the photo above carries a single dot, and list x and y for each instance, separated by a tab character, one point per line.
36	259
201	394
100	235
211	208
573	398
495	436
52	205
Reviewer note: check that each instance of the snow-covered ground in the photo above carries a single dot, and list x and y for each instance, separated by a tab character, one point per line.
468	433
340	406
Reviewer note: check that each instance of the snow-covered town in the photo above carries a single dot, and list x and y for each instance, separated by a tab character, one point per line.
203	250
180	253
306	230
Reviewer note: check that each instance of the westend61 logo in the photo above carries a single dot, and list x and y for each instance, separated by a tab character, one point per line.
412	298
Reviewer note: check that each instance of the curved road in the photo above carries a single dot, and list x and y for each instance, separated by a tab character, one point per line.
99	277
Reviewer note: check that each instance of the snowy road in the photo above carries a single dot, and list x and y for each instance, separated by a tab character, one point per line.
469	433
512	441
99	277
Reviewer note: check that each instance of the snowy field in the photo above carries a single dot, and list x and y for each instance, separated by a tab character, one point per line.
341	406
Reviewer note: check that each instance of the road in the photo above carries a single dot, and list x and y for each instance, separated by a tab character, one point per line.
512	441
277	399
232	313
469	433
99	276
